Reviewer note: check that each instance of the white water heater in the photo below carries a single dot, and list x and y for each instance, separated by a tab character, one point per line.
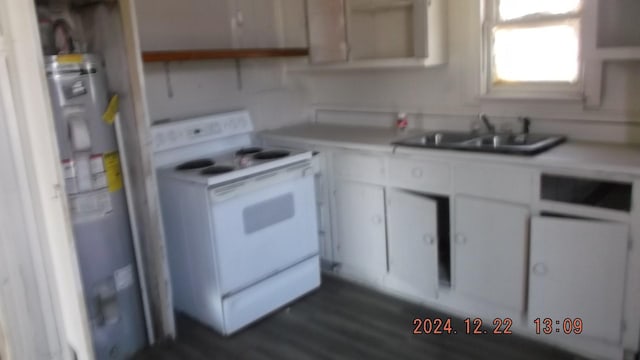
94	186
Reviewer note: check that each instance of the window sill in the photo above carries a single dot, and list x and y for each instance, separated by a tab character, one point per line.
569	97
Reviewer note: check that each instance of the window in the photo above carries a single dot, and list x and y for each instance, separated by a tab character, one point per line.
532	46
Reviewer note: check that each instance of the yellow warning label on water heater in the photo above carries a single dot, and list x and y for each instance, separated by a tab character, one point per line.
70	59
109	115
113	171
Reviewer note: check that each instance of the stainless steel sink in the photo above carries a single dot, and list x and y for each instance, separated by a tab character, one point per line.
441	138
518	144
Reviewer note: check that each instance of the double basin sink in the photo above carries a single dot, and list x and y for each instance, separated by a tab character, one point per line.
516	144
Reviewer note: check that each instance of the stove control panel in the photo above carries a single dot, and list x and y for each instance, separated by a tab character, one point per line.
177	134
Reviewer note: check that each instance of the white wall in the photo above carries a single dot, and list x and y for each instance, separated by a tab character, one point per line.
196	88
439	97
183	89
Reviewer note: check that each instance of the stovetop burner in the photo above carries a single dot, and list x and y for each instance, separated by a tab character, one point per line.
216	170
271	155
195	164
248	151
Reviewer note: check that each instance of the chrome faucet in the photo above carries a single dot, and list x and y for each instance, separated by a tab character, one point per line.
490	127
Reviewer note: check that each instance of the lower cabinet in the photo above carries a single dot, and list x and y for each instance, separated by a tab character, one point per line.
490	261
322	205
578	272
412	227
359	219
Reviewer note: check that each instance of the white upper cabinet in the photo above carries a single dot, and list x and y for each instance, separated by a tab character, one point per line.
359	218
578	271
187	24
294	23
412	226
611	32
254	24
327	31
377	33
618	29
205	24
491	251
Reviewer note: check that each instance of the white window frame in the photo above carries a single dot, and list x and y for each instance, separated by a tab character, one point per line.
527	90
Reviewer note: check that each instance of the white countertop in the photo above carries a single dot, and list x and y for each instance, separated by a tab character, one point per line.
614	158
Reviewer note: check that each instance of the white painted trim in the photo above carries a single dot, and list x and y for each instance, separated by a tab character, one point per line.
37	153
159	281
137	246
631	336
28	305
593	67
499	93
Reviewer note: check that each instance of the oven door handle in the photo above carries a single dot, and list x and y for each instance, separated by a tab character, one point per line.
258	182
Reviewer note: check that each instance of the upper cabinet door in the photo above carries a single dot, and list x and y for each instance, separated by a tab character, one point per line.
255	24
588	284
186	24
294	23
327	30
412	225
491	251
377	33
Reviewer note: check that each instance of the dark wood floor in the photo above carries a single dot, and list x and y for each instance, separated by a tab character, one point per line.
344	321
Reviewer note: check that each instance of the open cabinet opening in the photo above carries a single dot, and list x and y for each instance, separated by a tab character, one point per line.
381	29
419	251
444	242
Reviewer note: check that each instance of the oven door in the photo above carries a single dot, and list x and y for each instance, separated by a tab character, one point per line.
263	225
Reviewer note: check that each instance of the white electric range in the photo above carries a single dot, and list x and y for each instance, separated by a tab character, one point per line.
240	221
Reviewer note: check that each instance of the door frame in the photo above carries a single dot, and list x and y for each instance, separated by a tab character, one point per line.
52	257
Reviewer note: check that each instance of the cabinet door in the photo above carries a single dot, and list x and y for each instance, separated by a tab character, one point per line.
322	199
254	24
294	23
187	24
360	229
491	251
578	271
412	222
327	30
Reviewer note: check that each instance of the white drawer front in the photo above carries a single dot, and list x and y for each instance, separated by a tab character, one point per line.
495	182
420	175
359	167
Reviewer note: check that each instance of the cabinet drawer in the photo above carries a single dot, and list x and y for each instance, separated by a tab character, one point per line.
359	167
427	176
496	182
